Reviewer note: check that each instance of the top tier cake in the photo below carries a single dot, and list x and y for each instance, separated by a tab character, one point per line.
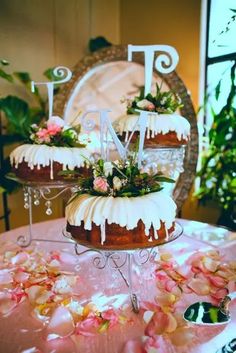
165	127
52	147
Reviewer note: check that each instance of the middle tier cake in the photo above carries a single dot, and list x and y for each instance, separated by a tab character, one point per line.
120	207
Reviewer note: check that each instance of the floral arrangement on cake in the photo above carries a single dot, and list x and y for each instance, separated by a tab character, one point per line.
119	179
162	102
55	132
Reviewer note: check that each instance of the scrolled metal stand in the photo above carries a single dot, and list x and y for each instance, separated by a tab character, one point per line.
118	259
33	194
114	259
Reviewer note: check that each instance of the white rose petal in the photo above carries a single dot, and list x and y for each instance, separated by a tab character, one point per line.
117	183
108	167
56	120
143	103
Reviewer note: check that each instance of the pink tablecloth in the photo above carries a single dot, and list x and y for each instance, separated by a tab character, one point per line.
20	332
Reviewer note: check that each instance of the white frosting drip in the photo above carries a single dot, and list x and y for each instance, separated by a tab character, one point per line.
43	155
156	124
124	211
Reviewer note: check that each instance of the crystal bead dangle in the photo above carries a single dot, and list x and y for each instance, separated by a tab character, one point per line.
48	204
26	199
36	197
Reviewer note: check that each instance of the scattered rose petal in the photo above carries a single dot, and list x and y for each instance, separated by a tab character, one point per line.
199	286
20	258
147	316
64	284
210	264
182	336
88	326
157	325
7	304
61	323
220	293
21	277
133	346
217	281
5	277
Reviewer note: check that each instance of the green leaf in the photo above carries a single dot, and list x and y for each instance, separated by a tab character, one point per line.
233	10
4	62
104	326
50	75
26	80
17	113
8	185
24	77
5	76
9	139
217	90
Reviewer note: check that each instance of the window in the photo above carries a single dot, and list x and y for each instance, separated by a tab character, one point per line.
220	53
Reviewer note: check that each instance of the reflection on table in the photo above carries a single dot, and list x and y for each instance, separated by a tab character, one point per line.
54	301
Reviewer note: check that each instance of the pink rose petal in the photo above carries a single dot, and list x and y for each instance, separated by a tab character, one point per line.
182	336
21	277
157	325
61	323
199	286
217	281
88	326
20	258
7	304
5	277
220	293
133	346
111	316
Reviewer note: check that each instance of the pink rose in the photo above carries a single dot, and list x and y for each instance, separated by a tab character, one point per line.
146	104
53	129
111	316
100	184
43	135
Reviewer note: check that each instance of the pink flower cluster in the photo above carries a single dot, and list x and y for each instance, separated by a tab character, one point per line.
100	184
45	134
146	104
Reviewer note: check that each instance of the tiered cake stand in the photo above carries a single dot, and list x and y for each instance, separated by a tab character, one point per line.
114	258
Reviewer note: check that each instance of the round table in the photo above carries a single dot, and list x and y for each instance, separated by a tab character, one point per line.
22	332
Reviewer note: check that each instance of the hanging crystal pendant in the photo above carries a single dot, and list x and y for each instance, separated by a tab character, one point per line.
26	199
48	204
36	197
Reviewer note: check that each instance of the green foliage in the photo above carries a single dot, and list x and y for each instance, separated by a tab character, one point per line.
161	102
6	184
218	172
120	179
98	43
19	115
62	137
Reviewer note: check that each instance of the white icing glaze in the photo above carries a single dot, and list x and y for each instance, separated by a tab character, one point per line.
157	124
43	155
124	211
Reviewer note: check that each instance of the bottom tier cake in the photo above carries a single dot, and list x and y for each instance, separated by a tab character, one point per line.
121	222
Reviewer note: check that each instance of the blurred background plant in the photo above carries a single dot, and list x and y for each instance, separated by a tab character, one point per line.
17	115
218	164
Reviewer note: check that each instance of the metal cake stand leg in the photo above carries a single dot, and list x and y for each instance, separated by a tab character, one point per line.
26	239
133	296
117	261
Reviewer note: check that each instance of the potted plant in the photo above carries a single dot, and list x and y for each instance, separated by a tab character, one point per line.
18	116
218	170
